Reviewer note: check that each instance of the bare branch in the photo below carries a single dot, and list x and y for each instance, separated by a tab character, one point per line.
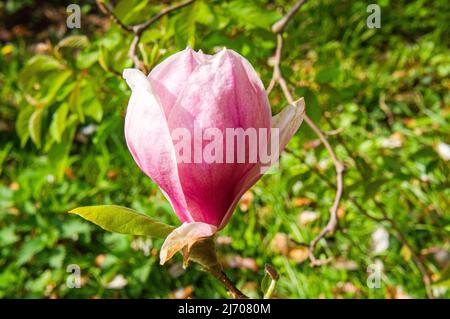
277	76
222	277
279	26
138	29
106	9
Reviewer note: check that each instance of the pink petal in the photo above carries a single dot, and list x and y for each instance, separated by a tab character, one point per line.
169	77
218	94
149	140
288	121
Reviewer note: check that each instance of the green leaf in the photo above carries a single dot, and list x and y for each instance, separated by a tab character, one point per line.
22	124
251	15
265	283
329	73
185	26
86	59
35	127
4	153
123	220
74	42
29	249
57	81
37	65
75	101
59	122
94	109
372	188
269	281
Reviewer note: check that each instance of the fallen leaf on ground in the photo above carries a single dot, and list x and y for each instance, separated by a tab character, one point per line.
182	293
236	261
307	217
299	254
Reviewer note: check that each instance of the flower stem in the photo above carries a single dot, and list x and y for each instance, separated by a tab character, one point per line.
222	277
270	290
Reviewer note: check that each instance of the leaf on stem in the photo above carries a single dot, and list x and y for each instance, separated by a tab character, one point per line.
123	220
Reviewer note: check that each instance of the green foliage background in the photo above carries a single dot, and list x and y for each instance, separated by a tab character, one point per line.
62	104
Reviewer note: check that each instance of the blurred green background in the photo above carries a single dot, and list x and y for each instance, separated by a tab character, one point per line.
381	95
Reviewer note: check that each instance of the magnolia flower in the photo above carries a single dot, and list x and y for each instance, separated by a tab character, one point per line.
209	94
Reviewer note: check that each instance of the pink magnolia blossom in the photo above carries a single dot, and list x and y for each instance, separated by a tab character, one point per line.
191	89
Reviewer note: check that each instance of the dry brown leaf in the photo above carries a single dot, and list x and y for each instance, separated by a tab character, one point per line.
224	240
69	173
343	288
14	186
112	174
299	254
345	264
246	201
396	292
409	122
406	253
311	144
393	141
301	201
176	270
341	212
280	244
118	282
236	261
99	260
307	217
182	293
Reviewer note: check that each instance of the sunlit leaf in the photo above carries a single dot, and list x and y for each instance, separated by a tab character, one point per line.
123	220
35	127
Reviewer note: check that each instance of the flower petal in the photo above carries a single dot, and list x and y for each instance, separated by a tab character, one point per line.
288	121
149	141
182	238
169	77
219	94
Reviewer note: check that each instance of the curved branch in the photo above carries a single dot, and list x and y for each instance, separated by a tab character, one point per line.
279	26
138	29
277	77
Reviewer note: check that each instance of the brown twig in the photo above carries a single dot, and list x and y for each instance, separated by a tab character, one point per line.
222	277
279	26
426	279
106	9
277	77
417	260
139	29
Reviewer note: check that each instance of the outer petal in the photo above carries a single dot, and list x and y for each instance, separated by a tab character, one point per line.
219	94
182	238
169	77
288	121
149	141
